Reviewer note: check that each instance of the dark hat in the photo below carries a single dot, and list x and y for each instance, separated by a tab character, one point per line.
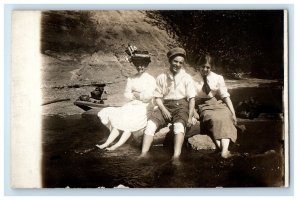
176	52
141	56
137	56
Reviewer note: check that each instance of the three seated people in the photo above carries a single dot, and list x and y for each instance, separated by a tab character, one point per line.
174	93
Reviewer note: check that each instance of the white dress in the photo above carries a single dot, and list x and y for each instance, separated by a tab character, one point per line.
133	115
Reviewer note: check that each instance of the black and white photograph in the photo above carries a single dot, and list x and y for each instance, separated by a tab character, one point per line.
157	99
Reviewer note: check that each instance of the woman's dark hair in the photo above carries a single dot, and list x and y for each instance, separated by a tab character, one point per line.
207	58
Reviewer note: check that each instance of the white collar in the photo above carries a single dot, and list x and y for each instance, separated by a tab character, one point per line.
179	74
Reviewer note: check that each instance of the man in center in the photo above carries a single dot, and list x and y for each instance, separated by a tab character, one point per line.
175	98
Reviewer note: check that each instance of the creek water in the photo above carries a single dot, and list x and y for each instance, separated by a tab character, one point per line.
71	159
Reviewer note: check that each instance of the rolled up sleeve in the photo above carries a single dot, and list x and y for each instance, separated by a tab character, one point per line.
190	88
223	92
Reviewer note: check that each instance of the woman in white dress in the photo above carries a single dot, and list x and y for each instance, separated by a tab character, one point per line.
133	115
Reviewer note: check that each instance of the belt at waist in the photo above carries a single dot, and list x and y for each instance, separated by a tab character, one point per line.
203	100
174	100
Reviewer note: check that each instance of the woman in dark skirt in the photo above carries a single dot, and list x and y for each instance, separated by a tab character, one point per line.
217	117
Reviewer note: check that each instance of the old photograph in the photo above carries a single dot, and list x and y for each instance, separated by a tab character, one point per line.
158	99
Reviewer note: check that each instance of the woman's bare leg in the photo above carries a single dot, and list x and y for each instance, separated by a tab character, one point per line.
224	146
125	136
218	142
112	136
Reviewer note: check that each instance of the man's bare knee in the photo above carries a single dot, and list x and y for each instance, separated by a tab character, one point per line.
178	128
150	128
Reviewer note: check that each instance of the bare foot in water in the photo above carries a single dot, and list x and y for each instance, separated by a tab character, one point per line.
228	154
176	161
111	148
102	146
143	156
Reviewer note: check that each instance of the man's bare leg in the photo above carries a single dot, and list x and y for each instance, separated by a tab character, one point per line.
148	137
178	141
147	141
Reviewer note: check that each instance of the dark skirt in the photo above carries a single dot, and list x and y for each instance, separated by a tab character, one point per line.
216	120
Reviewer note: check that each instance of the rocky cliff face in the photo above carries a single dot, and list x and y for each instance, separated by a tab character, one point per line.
94	43
81	47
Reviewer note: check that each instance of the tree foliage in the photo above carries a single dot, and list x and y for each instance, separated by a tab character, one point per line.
241	40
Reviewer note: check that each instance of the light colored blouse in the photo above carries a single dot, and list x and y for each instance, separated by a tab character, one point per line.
144	84
216	83
176	87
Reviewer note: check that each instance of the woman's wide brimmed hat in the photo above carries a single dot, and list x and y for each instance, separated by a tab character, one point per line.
141	56
177	51
137	56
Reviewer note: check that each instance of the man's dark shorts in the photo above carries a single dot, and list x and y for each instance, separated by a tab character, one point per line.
179	110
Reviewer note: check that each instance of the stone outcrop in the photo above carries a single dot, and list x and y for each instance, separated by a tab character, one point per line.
201	142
